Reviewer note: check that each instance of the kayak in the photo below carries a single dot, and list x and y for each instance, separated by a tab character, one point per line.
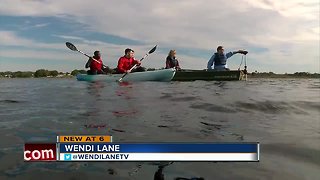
157	75
192	75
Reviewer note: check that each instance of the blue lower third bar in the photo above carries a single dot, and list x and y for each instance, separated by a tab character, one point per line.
159	148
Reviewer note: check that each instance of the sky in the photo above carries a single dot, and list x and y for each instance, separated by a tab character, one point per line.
280	36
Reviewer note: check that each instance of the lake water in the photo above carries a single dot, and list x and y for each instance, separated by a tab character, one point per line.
282	114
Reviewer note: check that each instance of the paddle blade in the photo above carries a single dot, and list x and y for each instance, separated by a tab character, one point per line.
71	46
152	50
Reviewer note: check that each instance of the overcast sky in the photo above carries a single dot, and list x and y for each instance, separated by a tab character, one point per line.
281	36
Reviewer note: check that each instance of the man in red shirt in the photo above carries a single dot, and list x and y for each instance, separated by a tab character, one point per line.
95	67
127	61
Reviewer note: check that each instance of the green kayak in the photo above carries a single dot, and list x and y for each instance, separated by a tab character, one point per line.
192	75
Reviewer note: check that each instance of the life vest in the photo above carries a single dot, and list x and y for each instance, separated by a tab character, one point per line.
95	66
172	61
125	64
220	59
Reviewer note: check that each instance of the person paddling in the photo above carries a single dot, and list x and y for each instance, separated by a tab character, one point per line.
172	61
95	67
127	61
219	59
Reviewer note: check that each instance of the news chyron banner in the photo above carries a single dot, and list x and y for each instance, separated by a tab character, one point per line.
101	148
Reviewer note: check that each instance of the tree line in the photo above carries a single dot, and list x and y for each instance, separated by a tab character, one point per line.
285	75
40	73
45	73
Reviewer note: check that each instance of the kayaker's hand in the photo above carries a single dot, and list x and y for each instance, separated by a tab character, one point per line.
138	62
128	71
243	52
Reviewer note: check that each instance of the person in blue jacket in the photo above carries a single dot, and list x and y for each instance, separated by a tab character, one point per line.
219	59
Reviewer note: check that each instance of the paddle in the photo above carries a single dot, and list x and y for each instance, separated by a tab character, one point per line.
74	48
151	51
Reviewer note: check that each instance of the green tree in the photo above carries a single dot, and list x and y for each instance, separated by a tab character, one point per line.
82	71
41	73
74	72
53	73
25	74
20	74
8	73
15	74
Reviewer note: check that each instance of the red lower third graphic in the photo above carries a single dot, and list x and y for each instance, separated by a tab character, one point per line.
40	152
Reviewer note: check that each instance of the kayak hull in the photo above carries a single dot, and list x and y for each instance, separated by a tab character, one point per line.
157	75
192	75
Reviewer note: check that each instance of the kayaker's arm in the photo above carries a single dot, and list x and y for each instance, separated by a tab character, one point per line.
229	54
168	65
178	66
135	62
120	66
210	62
88	63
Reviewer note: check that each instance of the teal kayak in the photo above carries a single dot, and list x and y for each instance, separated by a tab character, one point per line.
157	75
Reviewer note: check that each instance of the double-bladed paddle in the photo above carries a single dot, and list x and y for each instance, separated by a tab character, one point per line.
74	48
151	51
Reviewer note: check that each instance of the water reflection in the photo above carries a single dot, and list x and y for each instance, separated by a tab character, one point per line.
126	107
159	174
126	91
95	106
221	84
95	88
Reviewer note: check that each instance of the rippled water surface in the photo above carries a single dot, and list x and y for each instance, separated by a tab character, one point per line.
282	114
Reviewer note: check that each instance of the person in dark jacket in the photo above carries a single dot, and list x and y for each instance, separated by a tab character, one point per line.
172	61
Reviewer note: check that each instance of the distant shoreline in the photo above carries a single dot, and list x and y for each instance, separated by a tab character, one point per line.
284	76
64	77
42	73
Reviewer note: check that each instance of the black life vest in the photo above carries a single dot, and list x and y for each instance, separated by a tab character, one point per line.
173	61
